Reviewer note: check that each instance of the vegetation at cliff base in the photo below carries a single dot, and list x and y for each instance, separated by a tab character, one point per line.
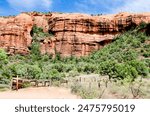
126	58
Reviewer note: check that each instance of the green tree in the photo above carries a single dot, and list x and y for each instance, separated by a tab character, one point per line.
3	58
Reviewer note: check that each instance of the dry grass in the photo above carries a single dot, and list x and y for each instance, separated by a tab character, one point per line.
100	87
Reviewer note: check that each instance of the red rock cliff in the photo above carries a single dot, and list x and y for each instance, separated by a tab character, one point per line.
74	34
15	33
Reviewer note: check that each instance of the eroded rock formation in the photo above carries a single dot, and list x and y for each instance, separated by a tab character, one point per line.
73	34
15	33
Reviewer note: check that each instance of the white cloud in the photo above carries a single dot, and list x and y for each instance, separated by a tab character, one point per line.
22	5
97	6
112	6
134	6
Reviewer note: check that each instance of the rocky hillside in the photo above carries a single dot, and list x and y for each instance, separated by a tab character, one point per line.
68	34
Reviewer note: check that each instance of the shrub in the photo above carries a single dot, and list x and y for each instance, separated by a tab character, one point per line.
34	71
3	58
142	25
55	75
76	87
58	66
73	73
85	93
3	55
123	71
35	49
38	34
26	84
140	66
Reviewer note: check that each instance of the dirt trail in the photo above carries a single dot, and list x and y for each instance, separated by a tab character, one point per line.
39	93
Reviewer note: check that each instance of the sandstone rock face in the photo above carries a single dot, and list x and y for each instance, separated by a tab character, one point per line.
15	33
73	34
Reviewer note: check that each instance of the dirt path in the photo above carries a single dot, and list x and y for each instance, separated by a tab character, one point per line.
39	93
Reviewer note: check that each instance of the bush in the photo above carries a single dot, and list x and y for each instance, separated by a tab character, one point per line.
3	58
123	71
38	34
3	55
34	71
35	49
73	73
55	75
26	84
75	88
140	66
85	93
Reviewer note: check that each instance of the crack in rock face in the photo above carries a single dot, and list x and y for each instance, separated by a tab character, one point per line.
69	34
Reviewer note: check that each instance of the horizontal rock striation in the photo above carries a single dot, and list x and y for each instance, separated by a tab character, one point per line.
15	33
72	34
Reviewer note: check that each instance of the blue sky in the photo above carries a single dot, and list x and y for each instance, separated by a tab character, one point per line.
13	7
